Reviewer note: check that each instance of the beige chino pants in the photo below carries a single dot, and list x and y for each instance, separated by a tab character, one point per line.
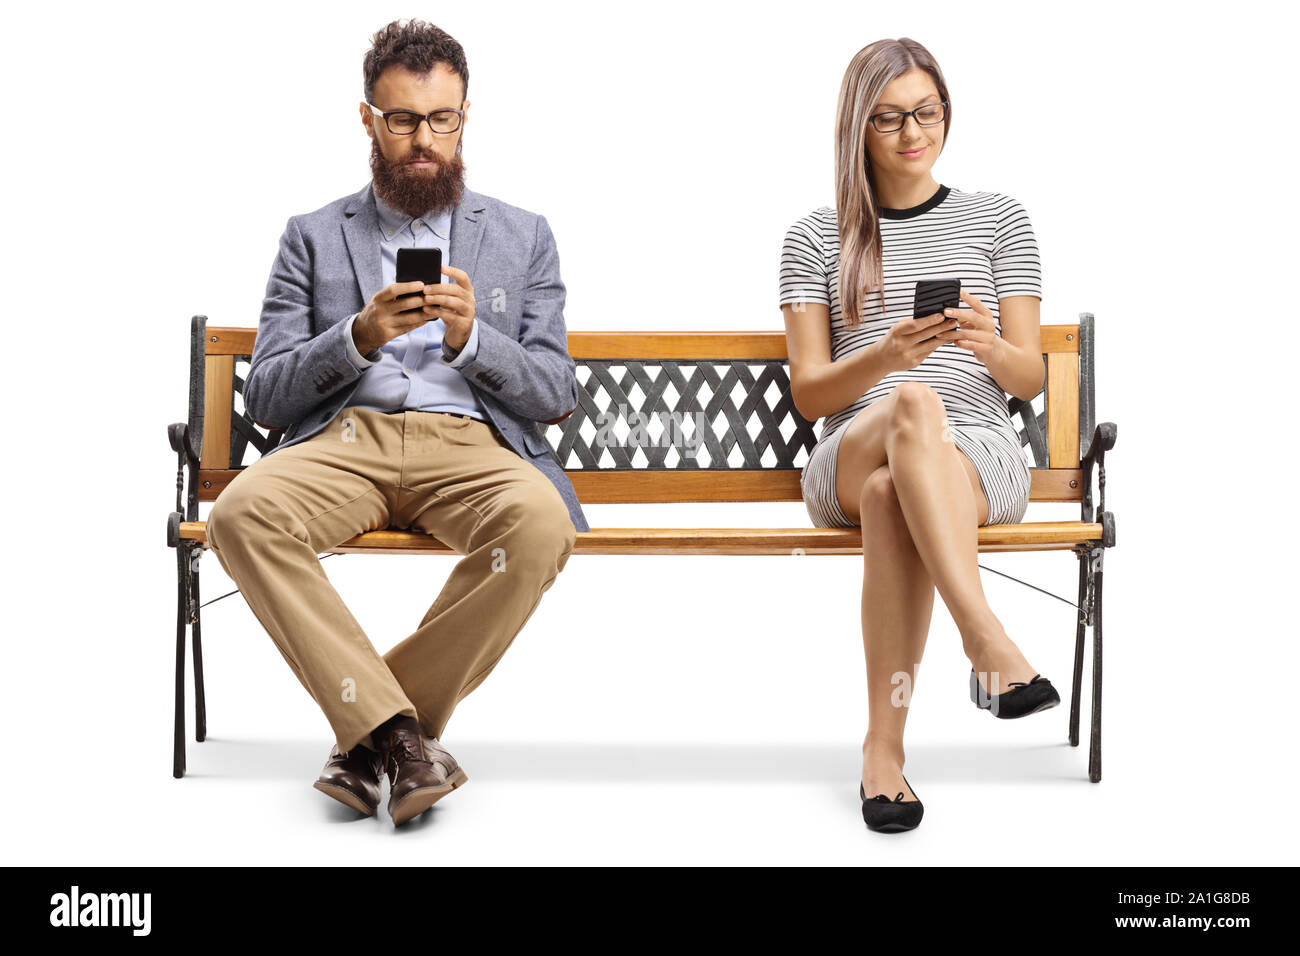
447	475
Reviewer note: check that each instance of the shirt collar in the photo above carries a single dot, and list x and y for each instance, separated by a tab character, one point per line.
391	221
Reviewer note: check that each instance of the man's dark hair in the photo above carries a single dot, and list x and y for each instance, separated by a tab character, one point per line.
417	46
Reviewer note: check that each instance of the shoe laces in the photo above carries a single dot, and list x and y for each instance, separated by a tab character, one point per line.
402	748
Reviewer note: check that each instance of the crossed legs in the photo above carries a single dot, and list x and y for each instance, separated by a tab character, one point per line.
919	502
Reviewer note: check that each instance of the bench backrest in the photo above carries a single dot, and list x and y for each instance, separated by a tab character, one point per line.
670	416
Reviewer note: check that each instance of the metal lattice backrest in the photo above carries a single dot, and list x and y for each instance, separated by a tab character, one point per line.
244	432
675	413
702	416
1033	417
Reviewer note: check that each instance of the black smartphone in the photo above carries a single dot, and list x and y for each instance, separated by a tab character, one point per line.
422	265
935	295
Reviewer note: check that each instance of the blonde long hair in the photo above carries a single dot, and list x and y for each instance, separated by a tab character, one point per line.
872	68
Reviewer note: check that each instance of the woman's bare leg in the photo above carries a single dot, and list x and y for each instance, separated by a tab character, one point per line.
943	503
897	597
897	600
898	584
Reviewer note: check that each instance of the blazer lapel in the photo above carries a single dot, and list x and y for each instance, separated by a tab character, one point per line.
361	232
466	231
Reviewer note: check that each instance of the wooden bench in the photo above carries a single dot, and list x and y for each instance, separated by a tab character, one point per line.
675	417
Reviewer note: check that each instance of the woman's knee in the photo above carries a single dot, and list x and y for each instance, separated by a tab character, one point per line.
879	496
917	410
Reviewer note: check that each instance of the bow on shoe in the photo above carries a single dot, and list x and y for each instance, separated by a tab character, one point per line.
881	798
1036	678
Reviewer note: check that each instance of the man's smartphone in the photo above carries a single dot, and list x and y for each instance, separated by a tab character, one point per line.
935	295
418	265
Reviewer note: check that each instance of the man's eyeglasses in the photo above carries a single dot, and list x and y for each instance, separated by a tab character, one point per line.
932	114
404	122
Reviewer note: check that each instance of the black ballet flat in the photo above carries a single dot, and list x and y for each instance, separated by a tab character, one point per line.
1023	699
890	816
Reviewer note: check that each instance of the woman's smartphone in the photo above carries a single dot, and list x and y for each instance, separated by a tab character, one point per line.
418	265
935	295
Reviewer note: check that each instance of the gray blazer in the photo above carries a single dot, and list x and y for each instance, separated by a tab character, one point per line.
328	268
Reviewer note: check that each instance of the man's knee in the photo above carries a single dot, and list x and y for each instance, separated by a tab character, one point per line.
234	508
223	513
541	529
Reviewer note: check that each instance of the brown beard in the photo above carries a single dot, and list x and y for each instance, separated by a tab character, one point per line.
416	192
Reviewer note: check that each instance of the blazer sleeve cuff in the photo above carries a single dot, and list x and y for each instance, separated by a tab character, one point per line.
467	353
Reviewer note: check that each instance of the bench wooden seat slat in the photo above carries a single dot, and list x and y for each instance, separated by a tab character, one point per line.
1028	536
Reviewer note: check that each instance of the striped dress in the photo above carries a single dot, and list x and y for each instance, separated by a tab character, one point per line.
984	239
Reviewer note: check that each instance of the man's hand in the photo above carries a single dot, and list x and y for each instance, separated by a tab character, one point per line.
397	309
453	302
393	311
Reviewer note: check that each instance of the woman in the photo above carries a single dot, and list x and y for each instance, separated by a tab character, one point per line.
917	446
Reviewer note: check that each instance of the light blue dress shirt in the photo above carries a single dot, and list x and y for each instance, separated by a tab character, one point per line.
413	372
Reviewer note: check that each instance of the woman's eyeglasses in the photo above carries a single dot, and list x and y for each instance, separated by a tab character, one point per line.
932	114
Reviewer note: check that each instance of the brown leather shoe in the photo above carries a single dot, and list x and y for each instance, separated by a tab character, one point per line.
352	778
420	772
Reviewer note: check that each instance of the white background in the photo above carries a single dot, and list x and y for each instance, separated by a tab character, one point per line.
657	709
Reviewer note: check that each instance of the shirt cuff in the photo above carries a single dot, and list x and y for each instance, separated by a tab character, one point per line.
467	353
359	361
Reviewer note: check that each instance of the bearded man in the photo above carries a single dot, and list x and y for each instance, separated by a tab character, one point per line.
405	405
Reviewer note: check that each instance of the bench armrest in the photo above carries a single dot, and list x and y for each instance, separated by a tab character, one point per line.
180	437
1103	440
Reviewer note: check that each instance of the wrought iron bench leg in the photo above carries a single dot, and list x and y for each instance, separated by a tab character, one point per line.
200	707
182	602
1094	749
1079	631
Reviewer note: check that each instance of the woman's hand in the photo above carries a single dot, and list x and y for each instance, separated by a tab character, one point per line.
910	341
978	330
454	304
